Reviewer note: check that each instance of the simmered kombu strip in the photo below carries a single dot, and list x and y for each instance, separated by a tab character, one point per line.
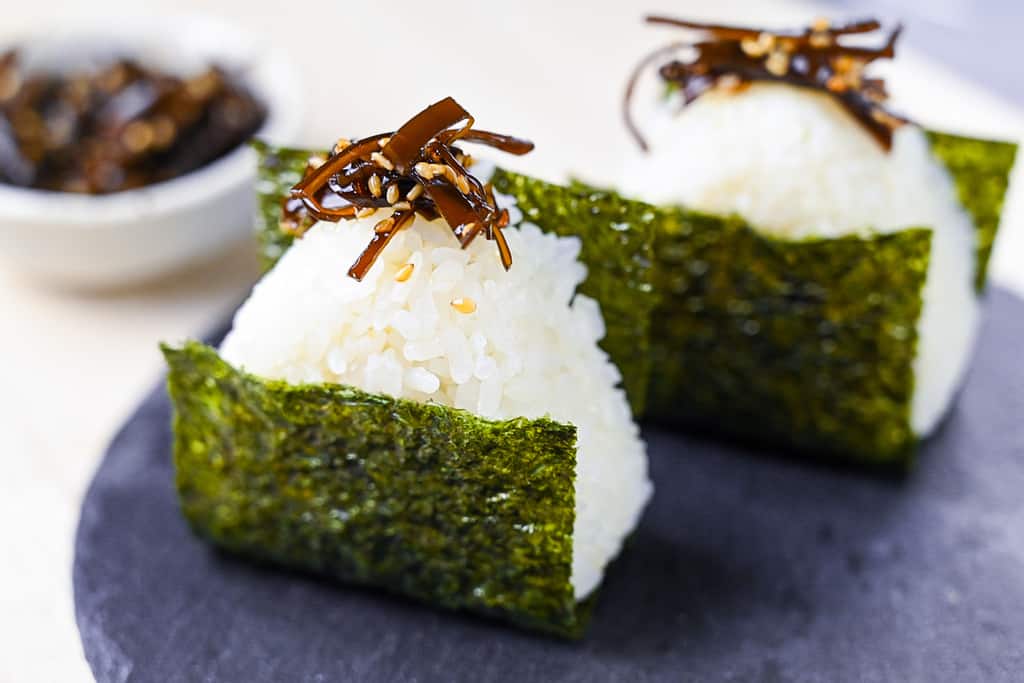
730	57
414	170
406	145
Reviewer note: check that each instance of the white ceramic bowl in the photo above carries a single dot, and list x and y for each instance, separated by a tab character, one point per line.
122	238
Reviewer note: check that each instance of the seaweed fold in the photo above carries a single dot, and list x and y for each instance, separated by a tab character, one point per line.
428	501
981	172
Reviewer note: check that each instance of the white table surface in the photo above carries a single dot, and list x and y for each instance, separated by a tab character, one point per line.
73	365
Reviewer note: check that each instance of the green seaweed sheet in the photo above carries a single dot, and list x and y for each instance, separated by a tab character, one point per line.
278	170
806	343
428	501
981	171
809	344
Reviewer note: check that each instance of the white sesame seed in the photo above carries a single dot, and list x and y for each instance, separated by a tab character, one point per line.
365	211
777	63
392	193
384	226
374	185
752	48
137	136
843	63
820	40
414	193
729	82
837	83
441	170
382	161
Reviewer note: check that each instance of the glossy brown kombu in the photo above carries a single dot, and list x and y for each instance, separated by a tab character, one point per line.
116	128
414	170
731	57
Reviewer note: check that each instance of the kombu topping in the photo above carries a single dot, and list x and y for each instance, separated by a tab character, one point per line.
414	170
120	126
818	57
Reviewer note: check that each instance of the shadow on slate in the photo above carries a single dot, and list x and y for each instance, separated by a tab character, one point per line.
744	569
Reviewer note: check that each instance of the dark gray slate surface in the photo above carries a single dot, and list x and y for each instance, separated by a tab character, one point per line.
746	568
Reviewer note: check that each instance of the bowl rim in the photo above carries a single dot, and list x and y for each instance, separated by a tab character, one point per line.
270	75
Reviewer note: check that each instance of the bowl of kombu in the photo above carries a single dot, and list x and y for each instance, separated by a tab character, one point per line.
123	144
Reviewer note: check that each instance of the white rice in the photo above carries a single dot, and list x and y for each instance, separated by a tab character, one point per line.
529	349
795	164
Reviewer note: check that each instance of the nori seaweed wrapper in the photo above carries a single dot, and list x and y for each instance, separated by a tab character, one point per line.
809	343
278	170
981	172
421	499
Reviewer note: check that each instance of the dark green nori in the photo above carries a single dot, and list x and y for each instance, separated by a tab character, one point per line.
805	343
429	501
279	168
981	171
616	248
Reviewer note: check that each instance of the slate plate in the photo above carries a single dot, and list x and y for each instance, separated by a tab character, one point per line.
746	568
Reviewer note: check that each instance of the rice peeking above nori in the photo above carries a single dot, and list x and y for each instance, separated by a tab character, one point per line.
730	58
439	425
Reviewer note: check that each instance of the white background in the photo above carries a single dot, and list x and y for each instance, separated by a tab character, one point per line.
73	365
